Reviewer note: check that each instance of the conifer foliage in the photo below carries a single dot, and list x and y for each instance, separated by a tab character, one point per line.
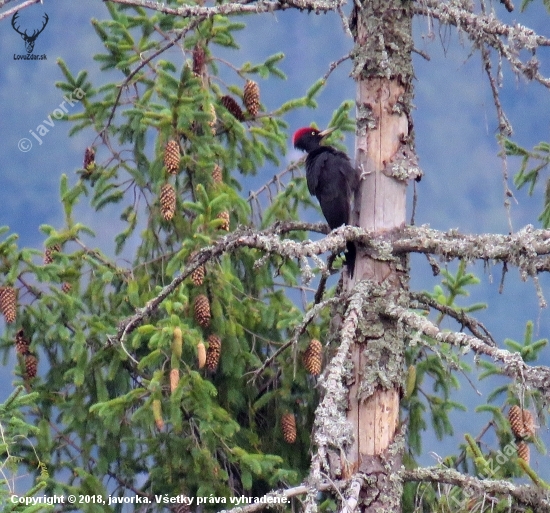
183	366
173	409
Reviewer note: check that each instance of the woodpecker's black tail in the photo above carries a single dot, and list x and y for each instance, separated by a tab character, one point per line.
351	252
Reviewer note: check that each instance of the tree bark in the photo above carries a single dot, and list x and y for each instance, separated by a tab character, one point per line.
385	158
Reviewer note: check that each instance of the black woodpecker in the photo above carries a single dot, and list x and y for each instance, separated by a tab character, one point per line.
331	178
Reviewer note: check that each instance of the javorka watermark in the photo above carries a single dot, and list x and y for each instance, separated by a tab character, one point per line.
25	144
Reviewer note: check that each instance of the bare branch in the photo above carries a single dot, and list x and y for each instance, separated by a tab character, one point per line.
486	29
13	10
476	327
332	429
512	364
527	495
274	499
262	6
334	65
504	126
522	249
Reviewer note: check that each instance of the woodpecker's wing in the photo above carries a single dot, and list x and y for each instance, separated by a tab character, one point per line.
331	177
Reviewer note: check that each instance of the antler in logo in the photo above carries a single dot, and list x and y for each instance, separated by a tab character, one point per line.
29	40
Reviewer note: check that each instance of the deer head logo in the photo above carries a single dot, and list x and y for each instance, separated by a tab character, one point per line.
29	39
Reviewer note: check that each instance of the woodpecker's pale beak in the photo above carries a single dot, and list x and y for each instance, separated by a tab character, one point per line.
326	132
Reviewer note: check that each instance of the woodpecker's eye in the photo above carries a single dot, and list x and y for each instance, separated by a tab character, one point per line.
312	133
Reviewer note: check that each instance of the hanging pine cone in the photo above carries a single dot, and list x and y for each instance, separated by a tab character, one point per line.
31	365
197	276
21	343
213	352
251	97
524	452
201	355
224	216
233	107
172	156
528	423
8	303
516	421
182	508
199	59
66	287
521	422
89	159
167	201
313	357
217	174
288	425
202	311
48	258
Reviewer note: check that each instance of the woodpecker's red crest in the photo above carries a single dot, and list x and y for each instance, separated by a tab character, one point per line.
302	131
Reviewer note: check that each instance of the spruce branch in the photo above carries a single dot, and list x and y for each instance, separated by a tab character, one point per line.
266	240
310	315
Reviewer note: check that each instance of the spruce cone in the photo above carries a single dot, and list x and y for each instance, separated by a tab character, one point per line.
288	425
214	119
217	174
516	421
8	303
174	379
177	342
48	258
528	423
172	156
521	422
31	365
201	355
199	59
157	413
251	97
410	382
89	159
524	452
202	311
233	107
213	352
182	508
225	217
21	343
197	276
313	357
167	201
66	287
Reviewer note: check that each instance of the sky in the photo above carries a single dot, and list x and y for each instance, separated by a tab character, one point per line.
455	129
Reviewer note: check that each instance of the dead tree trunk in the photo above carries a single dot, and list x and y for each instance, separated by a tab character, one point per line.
385	158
